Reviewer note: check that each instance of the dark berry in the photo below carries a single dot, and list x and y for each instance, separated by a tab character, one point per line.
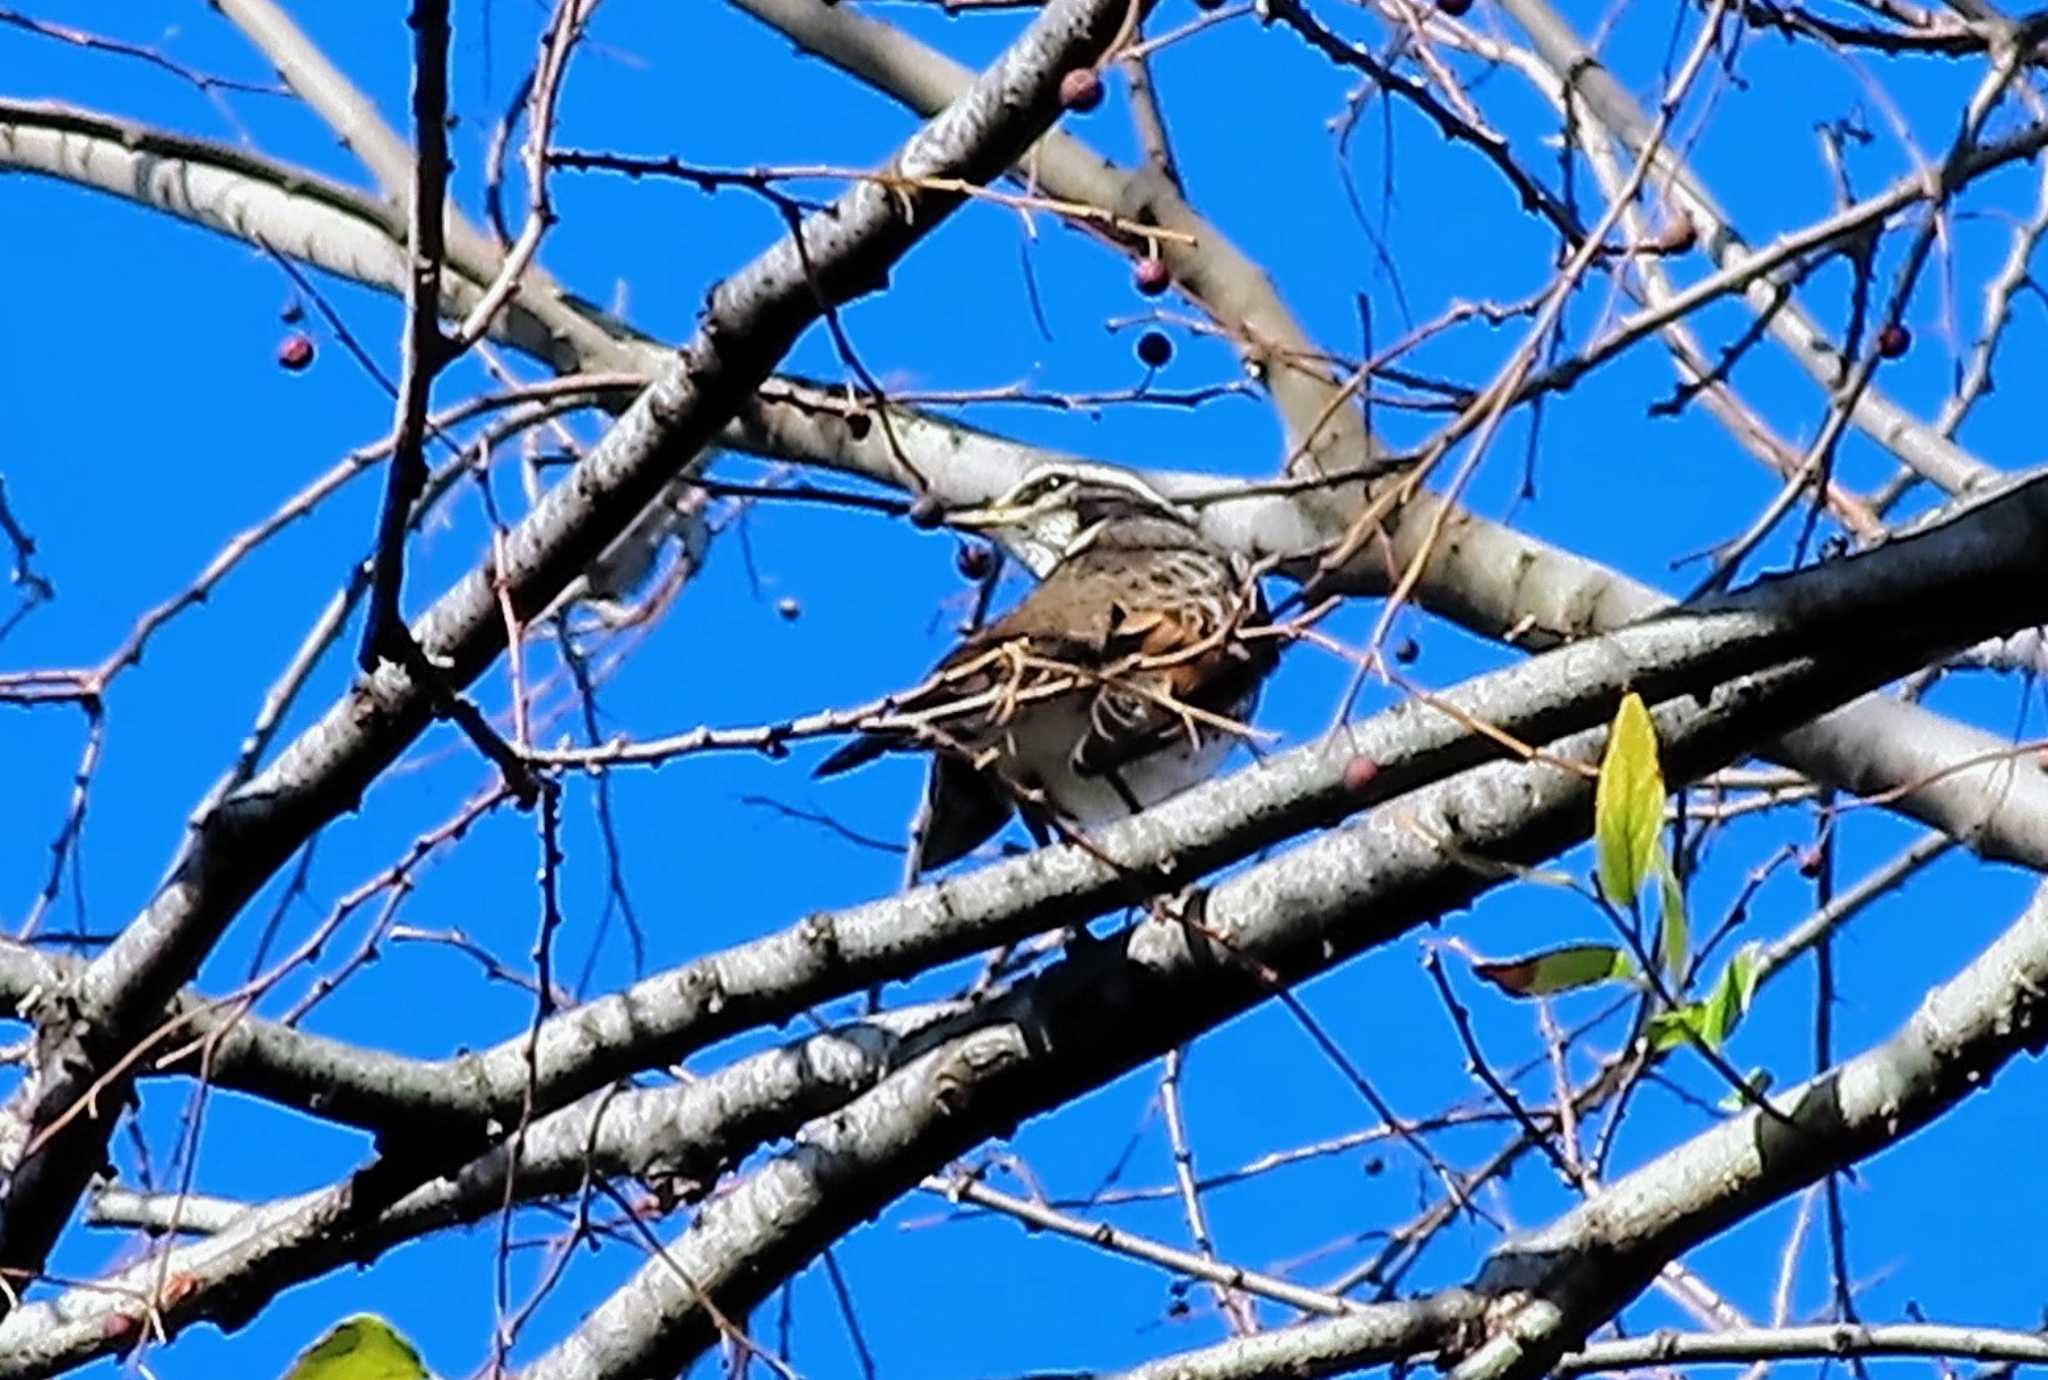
1081	90
858	424
295	351
293	311
1406	651
1151	276
974	560
789	608
927	512
1453	8
1893	341
1154	349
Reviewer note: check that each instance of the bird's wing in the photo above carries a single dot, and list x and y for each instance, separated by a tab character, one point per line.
1066	619
1080	617
1170	691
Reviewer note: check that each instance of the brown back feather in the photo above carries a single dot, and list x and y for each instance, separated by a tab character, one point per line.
1090	611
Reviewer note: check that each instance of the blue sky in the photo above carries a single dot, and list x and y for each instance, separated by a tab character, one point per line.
148	423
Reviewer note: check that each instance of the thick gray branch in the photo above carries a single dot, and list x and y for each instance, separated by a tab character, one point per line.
676	1140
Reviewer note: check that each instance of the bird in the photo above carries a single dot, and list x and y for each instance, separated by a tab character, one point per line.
1124	676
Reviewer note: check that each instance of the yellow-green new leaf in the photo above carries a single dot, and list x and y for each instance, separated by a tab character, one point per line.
364	1347
1556	970
1729	1002
1676	1028
1713	1019
1628	804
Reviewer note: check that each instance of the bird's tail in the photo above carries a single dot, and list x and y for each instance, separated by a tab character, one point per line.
963	809
858	753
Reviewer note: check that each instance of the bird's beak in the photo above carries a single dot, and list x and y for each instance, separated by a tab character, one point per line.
988	515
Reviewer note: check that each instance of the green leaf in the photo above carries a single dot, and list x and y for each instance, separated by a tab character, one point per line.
1556	970
1728	1003
1674	936
1628	804
364	1347
1683	1025
1711	1021
1758	1083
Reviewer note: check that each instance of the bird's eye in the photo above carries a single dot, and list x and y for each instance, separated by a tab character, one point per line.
1039	489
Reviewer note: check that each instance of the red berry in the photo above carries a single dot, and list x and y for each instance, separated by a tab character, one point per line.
1359	773
295	351
1152	276
1680	234
974	560
1154	349
1893	341
1081	90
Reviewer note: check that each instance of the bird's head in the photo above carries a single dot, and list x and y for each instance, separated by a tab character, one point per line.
1058	510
